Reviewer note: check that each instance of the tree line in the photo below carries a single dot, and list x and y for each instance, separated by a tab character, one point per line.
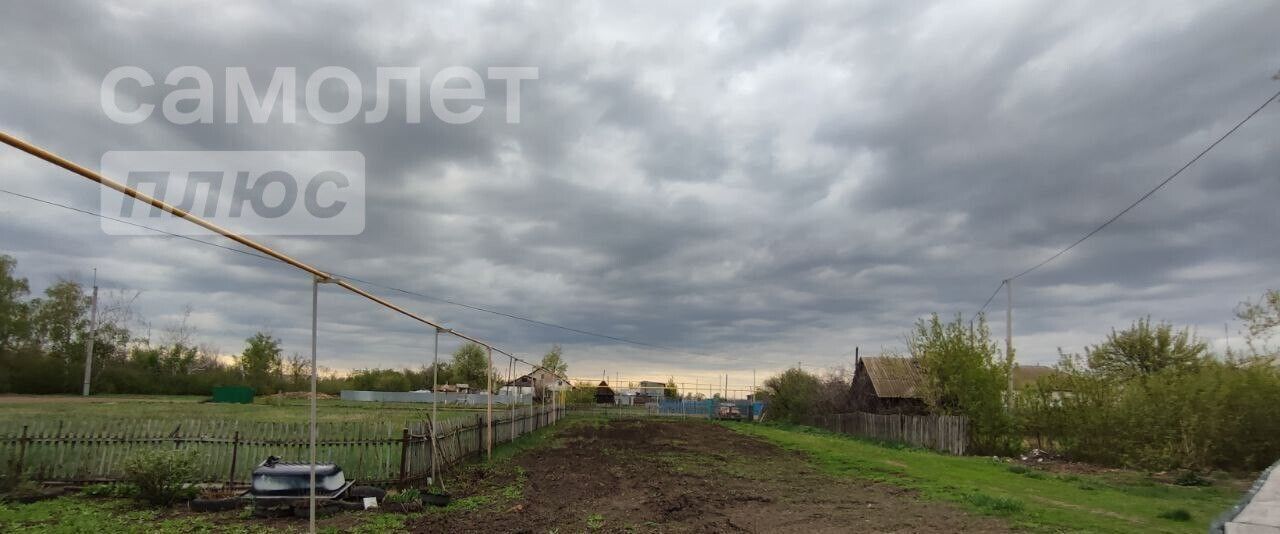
43	341
1148	396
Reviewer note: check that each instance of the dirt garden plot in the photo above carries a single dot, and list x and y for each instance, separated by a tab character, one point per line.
679	476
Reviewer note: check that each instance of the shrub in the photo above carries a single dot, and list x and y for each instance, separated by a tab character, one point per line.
793	395
964	376
1217	414
1176	515
405	496
1191	478
161	476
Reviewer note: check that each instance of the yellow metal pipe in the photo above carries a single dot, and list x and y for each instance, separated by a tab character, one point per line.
72	166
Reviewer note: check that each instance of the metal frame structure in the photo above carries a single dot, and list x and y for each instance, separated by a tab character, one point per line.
318	277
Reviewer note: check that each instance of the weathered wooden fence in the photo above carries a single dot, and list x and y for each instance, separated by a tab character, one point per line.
372	452
944	433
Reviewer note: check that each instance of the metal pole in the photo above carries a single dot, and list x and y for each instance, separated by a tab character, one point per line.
435	392
511	376
1008	341
183	214
93	333
315	302
488	371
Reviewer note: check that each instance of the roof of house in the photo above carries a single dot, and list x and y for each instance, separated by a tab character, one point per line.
1024	375
524	381
893	377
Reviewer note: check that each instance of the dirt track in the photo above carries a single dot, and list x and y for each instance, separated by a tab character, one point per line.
664	476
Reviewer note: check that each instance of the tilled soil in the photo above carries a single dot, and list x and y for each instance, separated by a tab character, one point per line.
676	476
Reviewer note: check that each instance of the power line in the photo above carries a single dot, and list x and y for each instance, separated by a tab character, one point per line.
1148	193
393	288
223	247
989	299
361	281
1134	204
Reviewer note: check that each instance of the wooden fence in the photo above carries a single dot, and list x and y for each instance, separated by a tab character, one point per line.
381	453
944	433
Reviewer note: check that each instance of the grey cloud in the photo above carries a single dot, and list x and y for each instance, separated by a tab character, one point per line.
761	183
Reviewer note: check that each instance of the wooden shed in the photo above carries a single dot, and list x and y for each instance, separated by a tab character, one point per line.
604	394
888	385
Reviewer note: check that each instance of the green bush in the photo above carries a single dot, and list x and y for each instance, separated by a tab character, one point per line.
162	476
1191	478
404	496
1217	414
793	395
964	376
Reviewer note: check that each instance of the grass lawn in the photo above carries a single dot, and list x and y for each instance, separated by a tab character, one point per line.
1030	498
67	407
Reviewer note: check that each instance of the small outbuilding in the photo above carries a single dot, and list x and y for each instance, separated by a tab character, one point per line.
888	385
604	394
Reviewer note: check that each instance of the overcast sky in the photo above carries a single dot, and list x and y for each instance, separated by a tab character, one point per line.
754	183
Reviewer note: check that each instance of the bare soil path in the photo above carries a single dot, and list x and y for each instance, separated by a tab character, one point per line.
674	476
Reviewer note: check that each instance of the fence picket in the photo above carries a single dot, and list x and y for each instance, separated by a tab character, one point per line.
944	433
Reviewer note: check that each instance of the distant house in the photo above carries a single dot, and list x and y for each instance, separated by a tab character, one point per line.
888	385
547	380
453	388
519	386
1025	375
654	390
604	394
539	383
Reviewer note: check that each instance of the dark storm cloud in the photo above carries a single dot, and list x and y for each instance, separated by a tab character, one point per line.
755	183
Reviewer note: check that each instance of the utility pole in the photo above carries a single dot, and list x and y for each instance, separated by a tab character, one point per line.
513	391
93	333
1008	341
488	440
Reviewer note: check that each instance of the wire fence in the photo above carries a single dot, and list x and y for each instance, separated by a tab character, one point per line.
382	453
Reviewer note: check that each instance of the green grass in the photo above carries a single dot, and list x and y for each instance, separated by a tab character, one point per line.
1034	499
80	514
167	407
76	514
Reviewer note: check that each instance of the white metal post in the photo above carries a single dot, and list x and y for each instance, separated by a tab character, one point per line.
435	392
488	371
315	302
93	334
511	372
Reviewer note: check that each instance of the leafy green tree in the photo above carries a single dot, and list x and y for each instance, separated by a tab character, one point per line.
379	380
470	365
260	361
60	319
964	375
671	392
1143	350
15	325
553	361
1261	319
793	395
